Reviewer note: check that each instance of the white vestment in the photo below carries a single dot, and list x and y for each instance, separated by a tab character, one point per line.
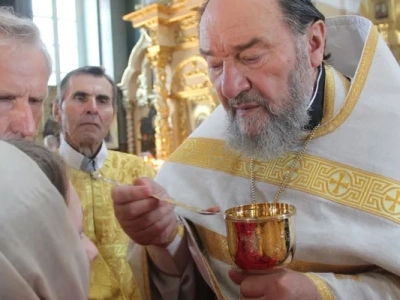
41	255
346	191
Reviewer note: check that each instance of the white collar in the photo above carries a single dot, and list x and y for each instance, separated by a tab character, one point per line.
75	159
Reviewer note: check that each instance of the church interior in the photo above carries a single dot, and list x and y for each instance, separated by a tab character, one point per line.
150	49
253	158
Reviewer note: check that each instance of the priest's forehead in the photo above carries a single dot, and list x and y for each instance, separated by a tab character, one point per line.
227	23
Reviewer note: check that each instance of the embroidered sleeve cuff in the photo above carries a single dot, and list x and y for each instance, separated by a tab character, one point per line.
322	287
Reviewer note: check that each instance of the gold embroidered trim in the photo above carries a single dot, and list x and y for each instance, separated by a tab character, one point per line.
215	244
146	278
217	247
329	95
214	281
327	179
345	82
348	277
323	288
356	87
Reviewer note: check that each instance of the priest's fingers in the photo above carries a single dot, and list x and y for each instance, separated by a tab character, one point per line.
132	210
247	282
122	194
145	181
252	287
156	189
143	213
279	284
159	233
145	219
236	276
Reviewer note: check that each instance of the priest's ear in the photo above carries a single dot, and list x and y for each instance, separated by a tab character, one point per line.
56	110
316	35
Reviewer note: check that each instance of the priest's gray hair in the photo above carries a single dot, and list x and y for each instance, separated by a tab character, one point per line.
16	31
298	14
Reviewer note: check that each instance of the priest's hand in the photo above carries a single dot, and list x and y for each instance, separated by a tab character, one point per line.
146	220
283	284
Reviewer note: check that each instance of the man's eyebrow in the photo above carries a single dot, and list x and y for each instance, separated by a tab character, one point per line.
6	94
102	97
80	94
238	48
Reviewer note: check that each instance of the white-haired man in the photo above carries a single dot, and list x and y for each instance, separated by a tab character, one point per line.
25	68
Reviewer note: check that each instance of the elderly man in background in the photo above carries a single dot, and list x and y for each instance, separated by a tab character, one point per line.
85	108
317	133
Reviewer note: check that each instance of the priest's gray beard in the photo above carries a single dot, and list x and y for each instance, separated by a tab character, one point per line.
279	131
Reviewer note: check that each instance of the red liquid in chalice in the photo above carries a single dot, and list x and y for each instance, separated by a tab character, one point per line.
247	256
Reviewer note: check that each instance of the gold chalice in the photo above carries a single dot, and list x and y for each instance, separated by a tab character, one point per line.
261	235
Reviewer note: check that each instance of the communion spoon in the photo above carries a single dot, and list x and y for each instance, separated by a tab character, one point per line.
214	210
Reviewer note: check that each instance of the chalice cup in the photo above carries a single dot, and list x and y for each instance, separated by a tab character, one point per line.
261	235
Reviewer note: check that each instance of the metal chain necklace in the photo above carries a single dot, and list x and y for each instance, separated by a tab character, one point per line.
287	175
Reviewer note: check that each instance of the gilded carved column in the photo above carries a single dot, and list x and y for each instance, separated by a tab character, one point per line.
160	57
172	30
130	129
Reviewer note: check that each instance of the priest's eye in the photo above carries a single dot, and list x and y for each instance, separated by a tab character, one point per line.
251	59
214	66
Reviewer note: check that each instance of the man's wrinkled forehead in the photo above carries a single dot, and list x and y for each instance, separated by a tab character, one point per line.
220	35
229	20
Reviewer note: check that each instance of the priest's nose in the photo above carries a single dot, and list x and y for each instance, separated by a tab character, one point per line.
233	81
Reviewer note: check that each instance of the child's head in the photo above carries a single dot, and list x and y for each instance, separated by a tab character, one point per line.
51	164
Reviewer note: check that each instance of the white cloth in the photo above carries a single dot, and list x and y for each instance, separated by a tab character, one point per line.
41	256
76	159
316	87
335	7
346	191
